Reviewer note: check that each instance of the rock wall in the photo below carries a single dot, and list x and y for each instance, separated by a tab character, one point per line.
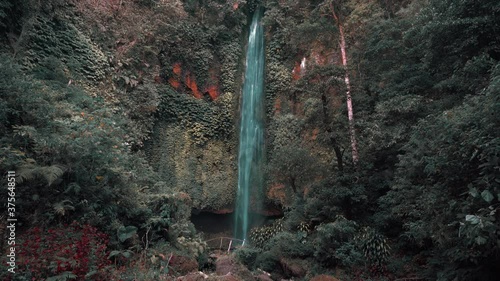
207	173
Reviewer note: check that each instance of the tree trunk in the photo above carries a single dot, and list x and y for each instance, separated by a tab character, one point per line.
350	113
331	136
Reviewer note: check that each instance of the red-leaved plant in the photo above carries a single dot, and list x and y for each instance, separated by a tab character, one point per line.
76	249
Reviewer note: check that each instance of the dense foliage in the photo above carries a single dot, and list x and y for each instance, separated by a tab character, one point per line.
120	117
426	101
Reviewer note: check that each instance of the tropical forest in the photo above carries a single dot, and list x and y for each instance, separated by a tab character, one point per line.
250	140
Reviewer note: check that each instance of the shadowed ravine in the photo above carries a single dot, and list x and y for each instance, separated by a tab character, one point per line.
252	128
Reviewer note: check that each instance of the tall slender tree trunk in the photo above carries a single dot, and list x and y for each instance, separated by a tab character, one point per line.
350	113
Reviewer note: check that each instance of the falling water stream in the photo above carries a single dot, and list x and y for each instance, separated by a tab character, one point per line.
251	149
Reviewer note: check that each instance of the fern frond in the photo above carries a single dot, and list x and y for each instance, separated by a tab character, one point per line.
72	188
49	174
52	173
26	172
62	207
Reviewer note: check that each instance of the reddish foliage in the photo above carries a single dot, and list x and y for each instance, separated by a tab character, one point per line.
213	92
76	248
318	57
177	70
191	84
311	135
225	265
174	83
296	71
184	197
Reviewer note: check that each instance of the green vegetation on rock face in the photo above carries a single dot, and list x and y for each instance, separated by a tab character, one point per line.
46	38
194	142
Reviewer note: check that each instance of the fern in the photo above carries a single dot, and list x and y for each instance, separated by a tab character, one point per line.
62	207
52	173
49	174
73	188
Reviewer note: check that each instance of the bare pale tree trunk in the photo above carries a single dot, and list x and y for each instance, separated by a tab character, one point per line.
350	113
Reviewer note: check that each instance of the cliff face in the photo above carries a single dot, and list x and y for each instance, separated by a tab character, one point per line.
192	158
174	69
194	144
194	140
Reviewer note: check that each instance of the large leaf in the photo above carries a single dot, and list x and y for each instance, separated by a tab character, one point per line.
114	254
487	196
126	232
473	219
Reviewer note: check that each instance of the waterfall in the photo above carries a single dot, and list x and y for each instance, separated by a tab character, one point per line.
251	149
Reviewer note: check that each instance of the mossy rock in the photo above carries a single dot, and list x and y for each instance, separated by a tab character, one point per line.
52	37
207	173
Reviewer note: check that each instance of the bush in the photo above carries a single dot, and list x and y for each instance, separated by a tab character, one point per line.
349	255
331	237
267	261
290	245
247	256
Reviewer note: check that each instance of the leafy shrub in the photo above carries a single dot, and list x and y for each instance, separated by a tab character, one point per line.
267	261
260	235
330	237
290	245
194	246
374	246
349	255
247	256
